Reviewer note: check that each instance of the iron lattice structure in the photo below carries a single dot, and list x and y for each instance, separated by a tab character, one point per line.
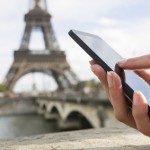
51	61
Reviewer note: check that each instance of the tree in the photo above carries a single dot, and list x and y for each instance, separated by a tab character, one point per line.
2	88
93	84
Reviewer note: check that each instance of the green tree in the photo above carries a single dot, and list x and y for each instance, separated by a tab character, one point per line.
89	83
94	84
81	85
2	88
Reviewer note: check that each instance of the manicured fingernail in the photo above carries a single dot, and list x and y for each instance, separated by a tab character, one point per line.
110	79
136	99
122	62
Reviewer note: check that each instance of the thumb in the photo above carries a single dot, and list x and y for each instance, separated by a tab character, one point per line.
140	113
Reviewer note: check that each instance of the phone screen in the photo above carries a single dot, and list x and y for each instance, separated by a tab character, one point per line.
107	57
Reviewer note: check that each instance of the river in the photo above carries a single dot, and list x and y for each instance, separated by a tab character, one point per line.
25	125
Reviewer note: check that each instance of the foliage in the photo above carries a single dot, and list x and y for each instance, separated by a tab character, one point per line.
2	88
93	84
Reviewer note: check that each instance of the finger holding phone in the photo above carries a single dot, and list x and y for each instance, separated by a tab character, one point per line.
137	118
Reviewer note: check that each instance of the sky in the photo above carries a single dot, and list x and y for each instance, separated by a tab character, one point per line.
123	24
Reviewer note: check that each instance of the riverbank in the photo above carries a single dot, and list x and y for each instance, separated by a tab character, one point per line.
93	139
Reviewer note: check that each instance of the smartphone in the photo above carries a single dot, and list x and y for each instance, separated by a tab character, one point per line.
107	57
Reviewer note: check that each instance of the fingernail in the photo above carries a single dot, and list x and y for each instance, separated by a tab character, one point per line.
109	79
122	62
136	99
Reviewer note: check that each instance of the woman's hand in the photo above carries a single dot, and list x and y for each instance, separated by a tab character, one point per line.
137	118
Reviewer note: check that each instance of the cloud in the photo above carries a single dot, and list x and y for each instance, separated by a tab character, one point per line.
85	9
107	22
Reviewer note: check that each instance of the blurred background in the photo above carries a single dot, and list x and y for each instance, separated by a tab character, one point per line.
124	24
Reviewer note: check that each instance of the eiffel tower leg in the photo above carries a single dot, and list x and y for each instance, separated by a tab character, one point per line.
72	78
16	71
67	81
49	38
76	79
26	38
46	40
56	77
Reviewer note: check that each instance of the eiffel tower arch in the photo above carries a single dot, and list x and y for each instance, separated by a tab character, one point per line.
51	61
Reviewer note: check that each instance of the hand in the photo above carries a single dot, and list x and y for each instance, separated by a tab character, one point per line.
137	118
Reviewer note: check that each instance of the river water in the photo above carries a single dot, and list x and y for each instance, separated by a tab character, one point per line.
25	125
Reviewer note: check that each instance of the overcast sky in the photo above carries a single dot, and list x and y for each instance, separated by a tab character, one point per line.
124	24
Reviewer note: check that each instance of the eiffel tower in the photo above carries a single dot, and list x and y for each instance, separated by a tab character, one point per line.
51	61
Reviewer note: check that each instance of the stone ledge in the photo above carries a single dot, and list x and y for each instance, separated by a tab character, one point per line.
94	139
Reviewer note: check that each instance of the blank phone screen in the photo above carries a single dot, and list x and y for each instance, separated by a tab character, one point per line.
110	57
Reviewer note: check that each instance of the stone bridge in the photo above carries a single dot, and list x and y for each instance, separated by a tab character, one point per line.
82	113
71	112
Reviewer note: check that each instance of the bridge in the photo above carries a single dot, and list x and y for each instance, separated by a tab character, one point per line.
74	114
76	111
70	111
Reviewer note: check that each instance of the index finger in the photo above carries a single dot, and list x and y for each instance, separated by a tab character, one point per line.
141	62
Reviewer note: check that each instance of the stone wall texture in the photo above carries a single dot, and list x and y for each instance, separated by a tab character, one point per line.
93	139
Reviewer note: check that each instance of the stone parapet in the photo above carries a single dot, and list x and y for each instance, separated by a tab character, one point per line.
94	139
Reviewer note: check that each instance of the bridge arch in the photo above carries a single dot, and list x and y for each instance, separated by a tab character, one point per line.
44	107
75	115
90	115
54	108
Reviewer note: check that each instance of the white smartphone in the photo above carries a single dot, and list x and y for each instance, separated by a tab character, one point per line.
107	57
